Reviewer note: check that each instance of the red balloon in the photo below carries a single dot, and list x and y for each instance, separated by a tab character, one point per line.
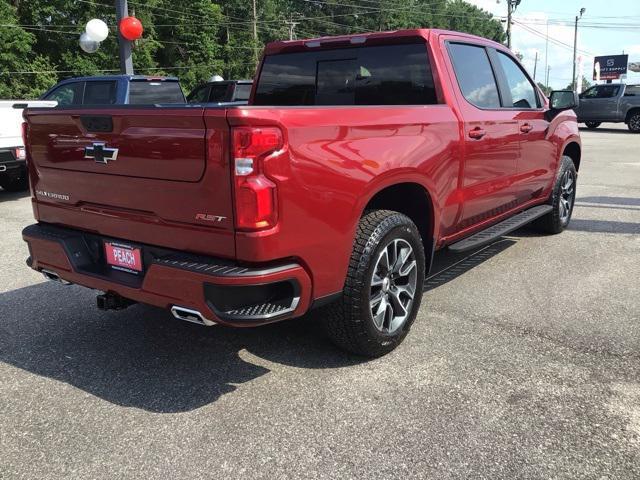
131	28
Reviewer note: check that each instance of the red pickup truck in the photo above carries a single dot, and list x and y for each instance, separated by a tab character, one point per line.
356	158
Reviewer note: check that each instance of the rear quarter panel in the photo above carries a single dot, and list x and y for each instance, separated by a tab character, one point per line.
336	160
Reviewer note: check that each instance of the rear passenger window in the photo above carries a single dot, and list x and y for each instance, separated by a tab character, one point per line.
474	74
523	95
100	93
381	75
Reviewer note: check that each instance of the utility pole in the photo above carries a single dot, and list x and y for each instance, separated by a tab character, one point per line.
546	52
546	81
126	62
511	7
255	33
575	45
291	25
535	66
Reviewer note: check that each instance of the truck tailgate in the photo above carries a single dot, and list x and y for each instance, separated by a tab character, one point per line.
154	175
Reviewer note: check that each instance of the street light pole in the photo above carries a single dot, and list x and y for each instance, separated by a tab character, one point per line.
126	63
575	45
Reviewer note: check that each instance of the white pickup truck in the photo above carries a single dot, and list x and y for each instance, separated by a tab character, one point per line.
13	172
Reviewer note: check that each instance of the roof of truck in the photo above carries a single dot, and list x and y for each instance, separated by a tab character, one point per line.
117	77
361	38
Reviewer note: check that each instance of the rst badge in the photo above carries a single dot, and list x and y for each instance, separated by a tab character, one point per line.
100	153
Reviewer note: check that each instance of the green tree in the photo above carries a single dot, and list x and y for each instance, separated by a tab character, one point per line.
16	56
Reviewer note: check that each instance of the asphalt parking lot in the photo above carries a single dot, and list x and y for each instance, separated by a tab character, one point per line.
524	363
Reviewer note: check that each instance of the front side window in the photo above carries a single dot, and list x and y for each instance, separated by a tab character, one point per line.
601	91
474	74
377	75
68	94
523	94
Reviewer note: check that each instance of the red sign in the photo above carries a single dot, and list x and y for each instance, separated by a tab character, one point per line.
123	257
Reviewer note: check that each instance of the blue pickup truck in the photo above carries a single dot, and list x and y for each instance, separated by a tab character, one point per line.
116	90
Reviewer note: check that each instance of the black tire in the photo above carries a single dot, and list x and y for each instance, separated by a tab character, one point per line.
557	219
592	125
634	122
15	185
349	322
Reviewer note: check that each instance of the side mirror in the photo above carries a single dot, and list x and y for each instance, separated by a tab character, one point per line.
560	100
563	100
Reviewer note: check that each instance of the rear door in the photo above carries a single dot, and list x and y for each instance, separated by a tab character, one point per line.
491	136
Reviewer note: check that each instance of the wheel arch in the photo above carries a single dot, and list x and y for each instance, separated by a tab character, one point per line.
573	151
632	111
412	199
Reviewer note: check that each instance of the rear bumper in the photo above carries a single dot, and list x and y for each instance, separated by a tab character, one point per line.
222	291
10	166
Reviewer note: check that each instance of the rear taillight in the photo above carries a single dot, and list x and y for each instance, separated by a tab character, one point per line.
256	199
19	153
25	128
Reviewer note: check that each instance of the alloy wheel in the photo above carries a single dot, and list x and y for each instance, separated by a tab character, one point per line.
393	286
567	195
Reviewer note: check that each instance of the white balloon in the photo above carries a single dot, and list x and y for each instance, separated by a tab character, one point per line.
97	30
88	45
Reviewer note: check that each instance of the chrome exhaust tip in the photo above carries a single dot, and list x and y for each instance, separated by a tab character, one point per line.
54	277
189	315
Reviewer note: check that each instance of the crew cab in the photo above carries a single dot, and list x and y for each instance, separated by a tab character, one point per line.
356	158
611	102
116	90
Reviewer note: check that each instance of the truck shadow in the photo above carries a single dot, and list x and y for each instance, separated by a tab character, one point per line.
5	195
143	358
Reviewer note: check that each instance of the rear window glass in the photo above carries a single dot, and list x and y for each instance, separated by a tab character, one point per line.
199	95
149	93
100	93
632	91
219	93
243	91
382	75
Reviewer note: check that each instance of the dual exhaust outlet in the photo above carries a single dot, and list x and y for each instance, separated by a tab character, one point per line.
189	315
112	301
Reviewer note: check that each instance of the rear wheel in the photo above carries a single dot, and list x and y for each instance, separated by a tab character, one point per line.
383	289
592	125
562	199
634	122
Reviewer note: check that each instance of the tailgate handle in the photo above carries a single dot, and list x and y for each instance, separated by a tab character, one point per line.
93	123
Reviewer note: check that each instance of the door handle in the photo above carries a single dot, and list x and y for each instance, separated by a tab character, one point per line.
477	133
526	128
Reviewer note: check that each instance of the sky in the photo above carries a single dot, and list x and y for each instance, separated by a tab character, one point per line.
605	29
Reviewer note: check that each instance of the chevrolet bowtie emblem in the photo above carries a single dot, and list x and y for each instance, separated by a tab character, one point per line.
100	153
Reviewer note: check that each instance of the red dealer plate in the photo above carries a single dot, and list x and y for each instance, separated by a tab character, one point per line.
123	257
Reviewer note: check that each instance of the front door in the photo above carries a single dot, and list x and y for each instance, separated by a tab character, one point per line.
599	103
537	162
